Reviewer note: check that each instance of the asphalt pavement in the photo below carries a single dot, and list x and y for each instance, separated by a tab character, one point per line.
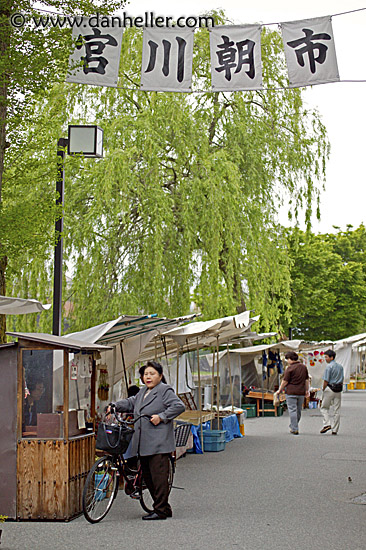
269	489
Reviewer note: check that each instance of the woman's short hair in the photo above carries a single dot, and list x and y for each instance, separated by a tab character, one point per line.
154	365
291	355
132	390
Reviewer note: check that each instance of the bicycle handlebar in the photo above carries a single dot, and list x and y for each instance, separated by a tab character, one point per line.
113	411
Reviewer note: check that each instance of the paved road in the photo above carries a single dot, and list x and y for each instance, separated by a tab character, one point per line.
269	489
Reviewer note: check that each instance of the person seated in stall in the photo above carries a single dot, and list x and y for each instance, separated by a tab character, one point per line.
36	390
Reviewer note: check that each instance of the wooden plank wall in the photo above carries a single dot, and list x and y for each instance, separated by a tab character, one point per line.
42	479
55	474
29	480
51	477
81	459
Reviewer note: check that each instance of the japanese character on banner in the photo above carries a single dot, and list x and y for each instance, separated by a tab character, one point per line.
236	57
95	59
310	51
167	56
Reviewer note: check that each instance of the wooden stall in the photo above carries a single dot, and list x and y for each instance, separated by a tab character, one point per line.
266	396
49	453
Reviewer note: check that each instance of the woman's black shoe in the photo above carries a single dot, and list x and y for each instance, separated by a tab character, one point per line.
153	515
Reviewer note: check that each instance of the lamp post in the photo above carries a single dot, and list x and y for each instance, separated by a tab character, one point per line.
88	142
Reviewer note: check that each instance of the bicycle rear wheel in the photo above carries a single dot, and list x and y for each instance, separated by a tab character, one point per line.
100	489
146	499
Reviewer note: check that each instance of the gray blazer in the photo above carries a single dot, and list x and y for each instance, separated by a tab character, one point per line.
149	439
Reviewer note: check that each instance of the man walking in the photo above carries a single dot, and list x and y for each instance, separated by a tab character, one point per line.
296	384
332	393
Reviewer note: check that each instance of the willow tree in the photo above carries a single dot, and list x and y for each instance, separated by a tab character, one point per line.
32	60
184	205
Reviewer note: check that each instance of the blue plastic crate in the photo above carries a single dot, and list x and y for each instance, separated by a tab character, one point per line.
214	440
101	483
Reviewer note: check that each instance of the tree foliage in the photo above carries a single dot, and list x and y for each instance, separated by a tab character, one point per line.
183	206
328	283
32	60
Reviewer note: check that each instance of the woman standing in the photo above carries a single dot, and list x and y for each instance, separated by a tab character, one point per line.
296	385
153	440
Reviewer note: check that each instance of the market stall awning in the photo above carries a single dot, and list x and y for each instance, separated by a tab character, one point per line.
18	306
61	341
130	334
286	345
207	333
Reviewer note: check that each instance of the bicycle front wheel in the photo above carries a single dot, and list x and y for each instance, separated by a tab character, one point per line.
146	499
100	489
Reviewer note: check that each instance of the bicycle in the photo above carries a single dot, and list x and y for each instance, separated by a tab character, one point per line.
103	481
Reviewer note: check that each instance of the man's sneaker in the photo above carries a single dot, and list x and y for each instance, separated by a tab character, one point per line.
325	429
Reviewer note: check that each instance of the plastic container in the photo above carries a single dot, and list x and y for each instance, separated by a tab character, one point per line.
251	410
360	385
214	440
313	404
272	413
240	418
101	483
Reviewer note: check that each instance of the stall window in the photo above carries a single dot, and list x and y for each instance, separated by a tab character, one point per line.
42	415
80	376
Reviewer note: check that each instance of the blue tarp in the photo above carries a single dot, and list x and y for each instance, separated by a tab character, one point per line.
231	425
196	431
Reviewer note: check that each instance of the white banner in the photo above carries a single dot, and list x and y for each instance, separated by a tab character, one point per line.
310	51
167	60
236	57
95	59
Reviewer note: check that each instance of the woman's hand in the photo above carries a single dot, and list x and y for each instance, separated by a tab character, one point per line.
155	419
109	410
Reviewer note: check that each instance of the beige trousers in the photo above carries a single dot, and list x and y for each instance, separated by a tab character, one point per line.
331	398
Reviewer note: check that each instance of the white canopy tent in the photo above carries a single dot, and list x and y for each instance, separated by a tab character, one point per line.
347	353
18	306
215	332
303	348
128	336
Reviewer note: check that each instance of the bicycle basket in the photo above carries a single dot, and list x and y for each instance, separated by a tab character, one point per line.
113	439
181	433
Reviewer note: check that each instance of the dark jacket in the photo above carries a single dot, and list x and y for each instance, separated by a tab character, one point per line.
149	439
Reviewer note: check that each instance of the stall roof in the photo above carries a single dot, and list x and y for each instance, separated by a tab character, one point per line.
60	341
17	306
286	345
207	333
128	326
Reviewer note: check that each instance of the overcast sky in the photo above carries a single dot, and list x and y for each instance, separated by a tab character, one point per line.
342	105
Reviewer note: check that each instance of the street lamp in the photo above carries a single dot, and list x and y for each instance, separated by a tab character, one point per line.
88	142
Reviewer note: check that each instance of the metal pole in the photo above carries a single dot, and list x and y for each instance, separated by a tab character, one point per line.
177	370
218	384
124	364
263	389
231	382
199	394
114	369
59	225
213	379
